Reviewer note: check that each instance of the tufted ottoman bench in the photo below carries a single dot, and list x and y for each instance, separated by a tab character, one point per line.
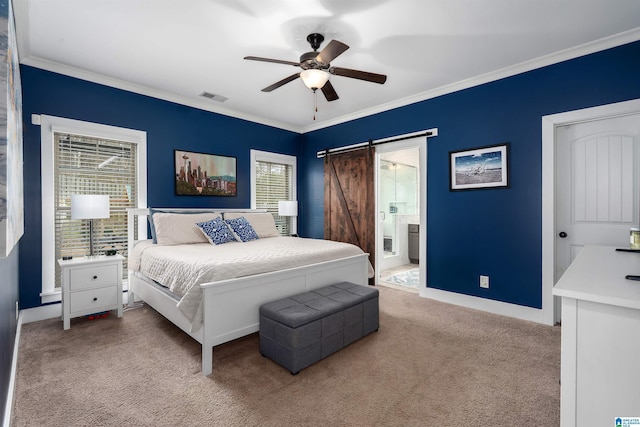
298	331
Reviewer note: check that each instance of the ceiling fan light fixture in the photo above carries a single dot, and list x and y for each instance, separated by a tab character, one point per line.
314	79
316	68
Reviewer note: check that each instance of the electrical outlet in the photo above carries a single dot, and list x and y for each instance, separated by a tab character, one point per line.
484	282
17	310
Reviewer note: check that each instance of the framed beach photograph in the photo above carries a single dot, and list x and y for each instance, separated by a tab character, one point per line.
483	167
201	174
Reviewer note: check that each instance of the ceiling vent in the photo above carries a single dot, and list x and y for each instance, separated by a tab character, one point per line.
213	96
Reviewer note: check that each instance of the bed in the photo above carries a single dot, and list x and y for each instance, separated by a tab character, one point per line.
223	299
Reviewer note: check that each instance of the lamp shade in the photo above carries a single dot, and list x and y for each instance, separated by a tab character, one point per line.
288	208
314	79
89	206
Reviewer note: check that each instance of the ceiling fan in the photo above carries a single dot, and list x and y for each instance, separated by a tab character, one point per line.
316	68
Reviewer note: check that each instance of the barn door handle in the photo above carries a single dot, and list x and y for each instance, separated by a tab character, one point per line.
562	234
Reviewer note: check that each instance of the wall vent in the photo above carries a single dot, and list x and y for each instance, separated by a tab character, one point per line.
213	96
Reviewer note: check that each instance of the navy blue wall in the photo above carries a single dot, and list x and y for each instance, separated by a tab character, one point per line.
169	126
493	232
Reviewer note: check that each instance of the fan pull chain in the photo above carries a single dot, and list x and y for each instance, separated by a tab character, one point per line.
315	103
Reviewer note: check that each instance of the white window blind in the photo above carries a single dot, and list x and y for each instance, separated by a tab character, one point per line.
88	165
274	182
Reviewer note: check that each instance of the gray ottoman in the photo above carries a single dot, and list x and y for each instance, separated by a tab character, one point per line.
298	331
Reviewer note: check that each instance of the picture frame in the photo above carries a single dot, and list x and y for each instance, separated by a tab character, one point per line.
11	143
479	168
202	174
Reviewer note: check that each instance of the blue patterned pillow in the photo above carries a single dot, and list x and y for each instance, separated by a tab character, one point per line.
216	231
242	228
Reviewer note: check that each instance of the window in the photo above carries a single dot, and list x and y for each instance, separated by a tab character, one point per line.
273	178
87	165
85	158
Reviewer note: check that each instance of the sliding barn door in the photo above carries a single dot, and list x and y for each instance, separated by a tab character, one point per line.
349	199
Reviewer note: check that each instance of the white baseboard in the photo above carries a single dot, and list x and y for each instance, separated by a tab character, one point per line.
43	312
483	304
12	379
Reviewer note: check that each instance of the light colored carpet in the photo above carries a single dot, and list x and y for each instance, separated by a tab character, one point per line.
430	364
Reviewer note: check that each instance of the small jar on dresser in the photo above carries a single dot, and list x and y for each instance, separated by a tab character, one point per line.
90	285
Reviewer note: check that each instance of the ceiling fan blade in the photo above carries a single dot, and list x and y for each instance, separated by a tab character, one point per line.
277	61
360	75
329	92
331	51
282	82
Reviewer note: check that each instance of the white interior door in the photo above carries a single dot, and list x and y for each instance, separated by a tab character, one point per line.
597	191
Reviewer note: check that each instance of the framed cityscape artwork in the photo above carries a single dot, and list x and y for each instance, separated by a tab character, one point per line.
200	174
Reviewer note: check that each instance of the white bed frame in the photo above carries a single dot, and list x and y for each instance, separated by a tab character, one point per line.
231	306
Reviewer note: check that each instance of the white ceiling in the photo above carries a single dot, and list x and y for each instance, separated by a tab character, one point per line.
175	50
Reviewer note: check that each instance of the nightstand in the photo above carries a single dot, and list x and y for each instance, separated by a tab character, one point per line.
90	285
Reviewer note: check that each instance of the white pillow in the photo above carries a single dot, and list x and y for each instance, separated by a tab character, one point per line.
262	222
180	229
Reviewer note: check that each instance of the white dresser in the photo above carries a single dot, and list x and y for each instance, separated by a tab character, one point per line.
91	285
600	350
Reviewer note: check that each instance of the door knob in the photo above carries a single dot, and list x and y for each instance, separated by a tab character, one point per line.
562	234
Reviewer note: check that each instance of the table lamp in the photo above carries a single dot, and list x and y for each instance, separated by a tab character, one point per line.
288	208
90	206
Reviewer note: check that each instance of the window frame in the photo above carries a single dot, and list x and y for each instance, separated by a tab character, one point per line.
267	156
48	126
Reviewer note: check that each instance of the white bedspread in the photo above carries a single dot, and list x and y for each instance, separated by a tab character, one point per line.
182	268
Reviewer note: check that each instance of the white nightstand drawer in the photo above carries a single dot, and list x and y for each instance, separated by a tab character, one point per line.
92	277
94	300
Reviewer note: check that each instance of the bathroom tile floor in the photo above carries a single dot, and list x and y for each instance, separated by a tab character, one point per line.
405	277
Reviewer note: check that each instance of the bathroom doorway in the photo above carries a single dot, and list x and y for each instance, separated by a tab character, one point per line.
398	177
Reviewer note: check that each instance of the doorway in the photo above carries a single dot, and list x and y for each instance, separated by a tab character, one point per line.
400	177
398	218
595	133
